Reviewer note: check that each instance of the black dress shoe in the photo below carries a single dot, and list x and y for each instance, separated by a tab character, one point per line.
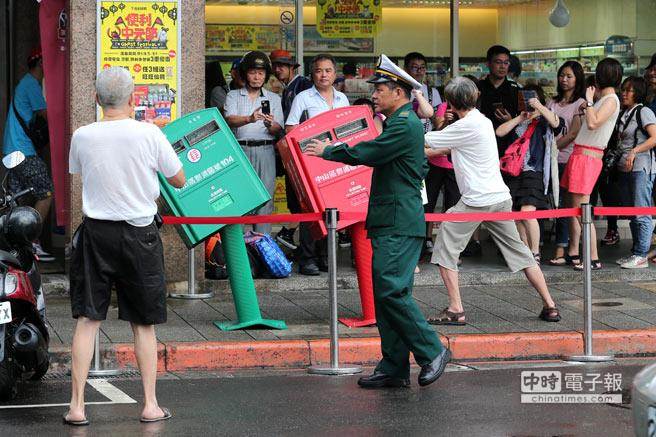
323	264
430	372
380	380
309	269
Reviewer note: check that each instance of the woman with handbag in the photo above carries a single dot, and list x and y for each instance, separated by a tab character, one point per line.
585	163
533	129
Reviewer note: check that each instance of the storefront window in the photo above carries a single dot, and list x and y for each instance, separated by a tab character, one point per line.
356	32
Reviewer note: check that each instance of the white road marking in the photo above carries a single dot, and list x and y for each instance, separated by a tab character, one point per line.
103	386
110	392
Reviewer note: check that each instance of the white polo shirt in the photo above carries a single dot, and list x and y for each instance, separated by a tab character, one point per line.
312	101
238	103
475	159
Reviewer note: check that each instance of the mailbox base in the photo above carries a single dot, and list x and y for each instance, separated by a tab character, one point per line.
357	323
257	323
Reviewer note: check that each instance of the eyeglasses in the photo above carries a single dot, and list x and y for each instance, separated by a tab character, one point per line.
417	68
500	62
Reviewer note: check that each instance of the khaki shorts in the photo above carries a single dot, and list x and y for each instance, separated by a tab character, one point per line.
452	238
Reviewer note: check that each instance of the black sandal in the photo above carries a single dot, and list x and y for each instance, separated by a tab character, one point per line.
550	314
537	257
572	260
595	264
446	317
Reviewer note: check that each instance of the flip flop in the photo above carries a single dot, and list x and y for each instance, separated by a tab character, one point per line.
83	422
559	261
167	415
446	317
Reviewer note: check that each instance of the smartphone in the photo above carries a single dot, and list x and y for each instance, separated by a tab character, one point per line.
266	108
523	97
497	105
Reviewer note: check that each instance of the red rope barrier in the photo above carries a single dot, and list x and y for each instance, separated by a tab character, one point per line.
360	216
616	210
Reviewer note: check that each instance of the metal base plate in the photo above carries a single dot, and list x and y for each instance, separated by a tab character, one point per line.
105	372
253	324
589	358
357	323
321	370
208	295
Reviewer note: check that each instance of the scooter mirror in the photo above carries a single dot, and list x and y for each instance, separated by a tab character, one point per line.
13	159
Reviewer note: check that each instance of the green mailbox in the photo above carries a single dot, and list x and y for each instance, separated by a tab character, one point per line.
220	179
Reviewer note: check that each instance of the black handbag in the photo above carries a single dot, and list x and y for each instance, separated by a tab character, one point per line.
36	131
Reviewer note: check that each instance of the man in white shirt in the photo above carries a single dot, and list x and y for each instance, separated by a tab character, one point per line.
472	144
118	243
320	98
255	116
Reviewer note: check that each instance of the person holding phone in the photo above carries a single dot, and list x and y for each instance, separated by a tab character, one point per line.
256	118
529	189
499	94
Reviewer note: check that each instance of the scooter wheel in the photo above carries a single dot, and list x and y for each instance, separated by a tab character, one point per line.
8	389
40	370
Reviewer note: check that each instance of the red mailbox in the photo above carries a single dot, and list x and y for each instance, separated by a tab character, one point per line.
321	184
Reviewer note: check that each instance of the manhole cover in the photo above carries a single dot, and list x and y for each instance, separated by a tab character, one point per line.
607	304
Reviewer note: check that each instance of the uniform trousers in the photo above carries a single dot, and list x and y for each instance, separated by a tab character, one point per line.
401	324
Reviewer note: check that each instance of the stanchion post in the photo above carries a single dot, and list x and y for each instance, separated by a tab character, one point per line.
191	282
97	369
331	217
589	357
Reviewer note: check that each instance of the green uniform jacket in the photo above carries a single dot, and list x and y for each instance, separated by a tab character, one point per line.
397	157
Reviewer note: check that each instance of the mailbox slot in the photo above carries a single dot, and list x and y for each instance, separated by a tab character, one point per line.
321	137
202	132
351	128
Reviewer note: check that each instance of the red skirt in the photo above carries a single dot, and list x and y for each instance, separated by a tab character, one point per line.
582	170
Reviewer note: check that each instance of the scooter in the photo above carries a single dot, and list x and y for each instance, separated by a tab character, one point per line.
24	335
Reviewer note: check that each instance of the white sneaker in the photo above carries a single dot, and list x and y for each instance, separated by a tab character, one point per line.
42	254
635	262
622	260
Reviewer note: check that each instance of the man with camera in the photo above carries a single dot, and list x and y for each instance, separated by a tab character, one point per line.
26	112
256	118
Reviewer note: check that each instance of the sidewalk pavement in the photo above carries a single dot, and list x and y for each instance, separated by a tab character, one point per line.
501	311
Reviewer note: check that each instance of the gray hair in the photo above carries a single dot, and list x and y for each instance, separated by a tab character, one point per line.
114	86
461	93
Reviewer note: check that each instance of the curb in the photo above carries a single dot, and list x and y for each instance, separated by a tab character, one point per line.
294	354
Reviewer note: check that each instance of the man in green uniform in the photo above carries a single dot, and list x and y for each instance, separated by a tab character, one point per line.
395	225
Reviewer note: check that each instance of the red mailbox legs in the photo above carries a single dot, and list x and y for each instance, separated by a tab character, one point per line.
362	252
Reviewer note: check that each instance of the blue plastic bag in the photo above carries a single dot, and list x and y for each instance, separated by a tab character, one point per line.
270	254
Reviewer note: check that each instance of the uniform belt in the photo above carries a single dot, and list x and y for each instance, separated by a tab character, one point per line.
256	143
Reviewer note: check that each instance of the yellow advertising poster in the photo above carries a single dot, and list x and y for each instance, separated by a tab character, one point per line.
348	18
143	37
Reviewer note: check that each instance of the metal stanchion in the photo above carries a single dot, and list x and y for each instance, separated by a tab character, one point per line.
589	357
331	218
96	370
191	283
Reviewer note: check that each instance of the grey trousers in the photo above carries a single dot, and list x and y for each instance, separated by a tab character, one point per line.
263	159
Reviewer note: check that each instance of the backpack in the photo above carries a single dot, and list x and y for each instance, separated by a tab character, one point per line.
215	263
512	160
613	152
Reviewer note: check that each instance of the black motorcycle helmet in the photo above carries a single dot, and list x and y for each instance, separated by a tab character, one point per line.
21	226
255	59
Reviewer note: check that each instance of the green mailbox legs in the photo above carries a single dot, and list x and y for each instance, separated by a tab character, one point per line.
241	283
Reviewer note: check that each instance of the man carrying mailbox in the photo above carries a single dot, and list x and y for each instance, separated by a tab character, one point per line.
395	225
255	116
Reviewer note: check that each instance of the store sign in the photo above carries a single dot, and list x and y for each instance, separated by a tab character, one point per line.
143	36
348	18
618	45
222	39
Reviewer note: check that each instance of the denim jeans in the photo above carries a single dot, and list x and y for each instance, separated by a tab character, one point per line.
635	190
